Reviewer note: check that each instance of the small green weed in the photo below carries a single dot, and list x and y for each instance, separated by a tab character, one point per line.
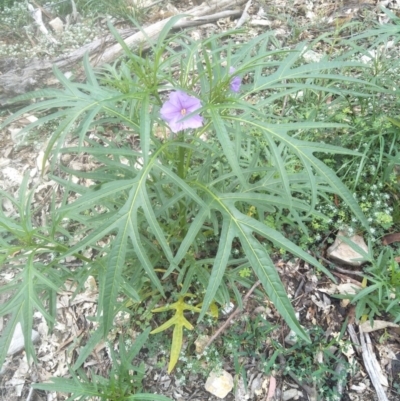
382	291
25	41
124	381
313	364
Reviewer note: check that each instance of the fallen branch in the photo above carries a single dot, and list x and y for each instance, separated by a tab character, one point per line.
372	366
19	77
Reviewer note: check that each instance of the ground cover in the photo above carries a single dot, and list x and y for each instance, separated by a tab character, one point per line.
129	235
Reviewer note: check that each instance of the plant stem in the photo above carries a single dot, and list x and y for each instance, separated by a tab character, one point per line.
182	174
181	162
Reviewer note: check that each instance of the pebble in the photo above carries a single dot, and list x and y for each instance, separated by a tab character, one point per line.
291	394
219	383
344	253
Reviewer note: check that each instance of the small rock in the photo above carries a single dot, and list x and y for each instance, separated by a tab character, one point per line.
57	25
359	388
201	343
291	394
219	383
291	338
310	56
17	342
228	308
344	253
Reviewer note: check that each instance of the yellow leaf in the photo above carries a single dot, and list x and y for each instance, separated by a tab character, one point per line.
179	321
175	347
214	310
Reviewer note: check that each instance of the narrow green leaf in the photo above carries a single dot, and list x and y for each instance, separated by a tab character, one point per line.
130	291
84	352
69	386
181	184
140	341
153	224
269	277
194	229
92	197
226	144
90	76
221	260
281	169
8	332
112	278
302	150
255	198
142	254
246	222
69	85
145	127
27	306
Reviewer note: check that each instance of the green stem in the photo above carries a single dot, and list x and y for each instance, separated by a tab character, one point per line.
182	174
181	161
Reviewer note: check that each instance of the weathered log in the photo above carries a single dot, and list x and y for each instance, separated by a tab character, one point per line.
20	76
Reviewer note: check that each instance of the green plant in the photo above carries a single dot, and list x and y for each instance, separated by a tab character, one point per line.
313	364
6	4
117	8
382	287
371	178
13	17
124	381
24	41
148	212
247	336
396	387
374	202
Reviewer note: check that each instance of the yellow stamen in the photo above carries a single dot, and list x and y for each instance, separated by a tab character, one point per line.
183	112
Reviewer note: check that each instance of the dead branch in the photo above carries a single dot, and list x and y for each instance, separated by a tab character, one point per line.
18	77
372	366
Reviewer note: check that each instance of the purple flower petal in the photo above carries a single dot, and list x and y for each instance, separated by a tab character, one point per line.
195	121
168	112
236	81
177	107
235	84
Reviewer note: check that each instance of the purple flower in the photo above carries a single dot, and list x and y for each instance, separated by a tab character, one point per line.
236	81
177	107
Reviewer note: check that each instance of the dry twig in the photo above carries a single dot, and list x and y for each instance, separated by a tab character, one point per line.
233	314
245	15
372	366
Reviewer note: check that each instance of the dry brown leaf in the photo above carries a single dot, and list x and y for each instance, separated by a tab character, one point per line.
390	238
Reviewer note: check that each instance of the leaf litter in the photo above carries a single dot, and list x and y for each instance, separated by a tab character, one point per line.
60	347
